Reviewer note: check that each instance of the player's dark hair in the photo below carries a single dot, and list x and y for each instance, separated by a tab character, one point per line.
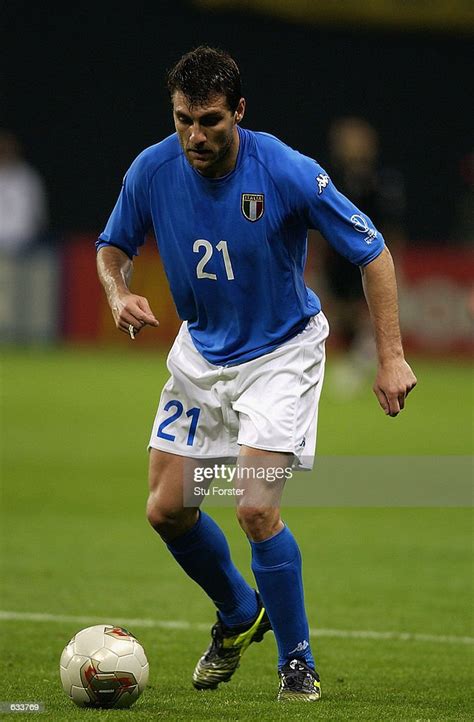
203	73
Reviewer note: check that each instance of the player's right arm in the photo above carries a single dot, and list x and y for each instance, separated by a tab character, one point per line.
124	233
114	269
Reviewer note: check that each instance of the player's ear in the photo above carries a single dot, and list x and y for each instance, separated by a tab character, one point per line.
240	111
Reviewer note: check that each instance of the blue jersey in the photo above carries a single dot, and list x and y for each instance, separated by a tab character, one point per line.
234	248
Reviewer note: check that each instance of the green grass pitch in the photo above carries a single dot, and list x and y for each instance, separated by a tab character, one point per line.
76	547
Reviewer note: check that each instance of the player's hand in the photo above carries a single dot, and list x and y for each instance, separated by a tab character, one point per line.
393	383
132	310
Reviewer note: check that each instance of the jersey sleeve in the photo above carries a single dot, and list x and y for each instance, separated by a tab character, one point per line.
348	229
130	219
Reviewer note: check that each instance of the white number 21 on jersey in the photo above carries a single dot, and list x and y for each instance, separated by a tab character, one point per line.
208	251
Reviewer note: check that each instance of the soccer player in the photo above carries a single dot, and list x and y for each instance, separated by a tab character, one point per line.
230	209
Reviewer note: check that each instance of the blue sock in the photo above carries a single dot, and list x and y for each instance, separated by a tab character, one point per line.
204	555
276	564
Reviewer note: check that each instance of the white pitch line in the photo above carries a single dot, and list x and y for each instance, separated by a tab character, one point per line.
182	625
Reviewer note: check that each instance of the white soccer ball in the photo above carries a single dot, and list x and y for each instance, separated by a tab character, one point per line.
104	666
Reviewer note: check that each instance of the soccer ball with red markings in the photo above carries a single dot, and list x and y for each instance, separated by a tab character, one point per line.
104	666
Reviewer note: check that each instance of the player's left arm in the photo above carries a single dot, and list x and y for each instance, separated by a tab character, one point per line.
394	379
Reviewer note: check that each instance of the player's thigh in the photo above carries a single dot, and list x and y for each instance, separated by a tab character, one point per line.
260	481
165	476
165	499
171	508
260	478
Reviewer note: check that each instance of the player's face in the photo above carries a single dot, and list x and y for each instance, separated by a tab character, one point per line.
208	134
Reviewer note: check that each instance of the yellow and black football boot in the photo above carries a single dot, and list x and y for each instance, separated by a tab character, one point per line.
222	657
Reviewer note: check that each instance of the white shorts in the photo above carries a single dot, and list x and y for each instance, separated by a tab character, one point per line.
268	403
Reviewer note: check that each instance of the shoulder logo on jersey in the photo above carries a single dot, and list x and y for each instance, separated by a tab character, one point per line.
361	226
322	180
252	206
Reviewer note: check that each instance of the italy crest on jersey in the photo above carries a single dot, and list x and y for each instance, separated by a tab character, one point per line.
253	206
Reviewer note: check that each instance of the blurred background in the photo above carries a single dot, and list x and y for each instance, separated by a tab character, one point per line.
376	92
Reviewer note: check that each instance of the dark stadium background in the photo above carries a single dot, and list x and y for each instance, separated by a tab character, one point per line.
83	86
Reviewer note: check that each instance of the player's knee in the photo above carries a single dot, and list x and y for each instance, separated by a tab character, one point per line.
258	523
160	515
169	520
